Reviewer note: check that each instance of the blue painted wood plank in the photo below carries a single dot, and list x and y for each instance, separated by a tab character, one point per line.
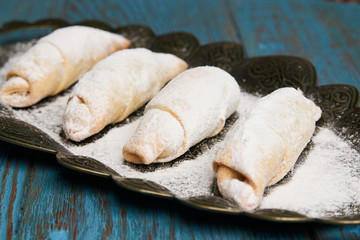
325	33
40	200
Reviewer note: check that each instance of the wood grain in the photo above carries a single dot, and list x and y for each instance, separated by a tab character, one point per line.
41	200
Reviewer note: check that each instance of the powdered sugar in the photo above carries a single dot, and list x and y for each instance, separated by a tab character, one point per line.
79	43
159	132
324	183
10	54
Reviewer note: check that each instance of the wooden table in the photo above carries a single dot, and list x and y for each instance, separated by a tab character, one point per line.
41	200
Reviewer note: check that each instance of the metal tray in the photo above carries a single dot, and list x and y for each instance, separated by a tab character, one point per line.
262	75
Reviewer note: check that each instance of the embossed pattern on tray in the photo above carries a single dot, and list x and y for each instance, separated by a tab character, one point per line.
268	73
259	74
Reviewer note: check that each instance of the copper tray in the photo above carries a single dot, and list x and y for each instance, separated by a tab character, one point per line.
258	74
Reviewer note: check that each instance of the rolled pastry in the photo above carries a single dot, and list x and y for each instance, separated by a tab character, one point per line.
116	87
56	61
192	107
263	145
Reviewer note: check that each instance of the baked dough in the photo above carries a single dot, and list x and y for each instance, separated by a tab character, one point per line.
56	61
192	107
116	87
263	145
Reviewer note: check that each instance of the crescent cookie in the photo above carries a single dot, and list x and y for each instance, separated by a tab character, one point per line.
56	61
115	87
263	145
192	107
